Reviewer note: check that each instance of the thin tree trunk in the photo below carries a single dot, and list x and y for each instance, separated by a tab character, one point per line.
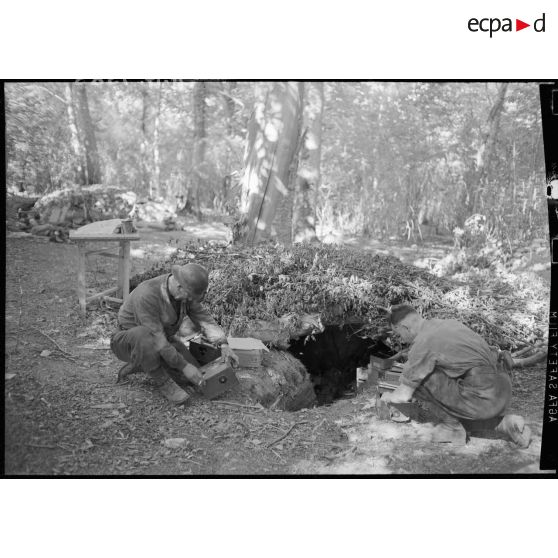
485	154
200	139
228	97
93	165
146	145
156	154
75	142
370	182
308	179
270	166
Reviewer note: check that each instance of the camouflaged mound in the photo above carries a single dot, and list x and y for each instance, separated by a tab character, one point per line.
345	285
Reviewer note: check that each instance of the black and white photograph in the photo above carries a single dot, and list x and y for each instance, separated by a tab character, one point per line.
275	278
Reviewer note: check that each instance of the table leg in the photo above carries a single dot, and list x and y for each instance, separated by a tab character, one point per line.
124	270
81	277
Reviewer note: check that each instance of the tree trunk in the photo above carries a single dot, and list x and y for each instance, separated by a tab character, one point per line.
227	93
199	178
478	177
75	142
228	96
146	146
270	166
370	176
93	166
156	155
308	178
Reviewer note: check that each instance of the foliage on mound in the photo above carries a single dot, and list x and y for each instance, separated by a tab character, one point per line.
345	285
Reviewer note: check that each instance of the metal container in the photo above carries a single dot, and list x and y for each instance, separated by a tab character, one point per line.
219	377
127	226
204	352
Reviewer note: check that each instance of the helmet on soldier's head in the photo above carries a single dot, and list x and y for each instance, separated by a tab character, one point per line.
191	277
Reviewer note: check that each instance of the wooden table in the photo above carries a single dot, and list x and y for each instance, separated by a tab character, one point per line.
103	231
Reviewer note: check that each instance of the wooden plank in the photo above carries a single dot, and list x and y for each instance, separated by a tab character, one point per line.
81	278
99	295
104	237
126	278
102	230
102	252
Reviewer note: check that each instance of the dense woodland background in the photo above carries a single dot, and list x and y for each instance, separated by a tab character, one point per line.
407	160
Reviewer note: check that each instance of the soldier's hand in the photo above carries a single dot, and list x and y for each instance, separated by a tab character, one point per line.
193	374
402	394
227	354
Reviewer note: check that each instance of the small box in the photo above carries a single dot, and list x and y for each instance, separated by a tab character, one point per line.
248	350
204	352
386	386
381	363
219	377
392	377
127	226
361	378
373	375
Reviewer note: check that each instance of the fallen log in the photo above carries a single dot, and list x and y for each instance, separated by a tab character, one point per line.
529	361
526	350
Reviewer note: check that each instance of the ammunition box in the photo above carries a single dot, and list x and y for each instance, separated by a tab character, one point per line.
219	377
204	352
392	377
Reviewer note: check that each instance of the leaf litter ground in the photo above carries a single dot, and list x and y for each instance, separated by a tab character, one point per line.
65	415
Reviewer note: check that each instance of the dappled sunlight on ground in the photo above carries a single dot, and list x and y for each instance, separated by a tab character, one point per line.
380	447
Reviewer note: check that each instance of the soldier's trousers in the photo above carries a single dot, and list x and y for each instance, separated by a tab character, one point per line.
477	400
137	346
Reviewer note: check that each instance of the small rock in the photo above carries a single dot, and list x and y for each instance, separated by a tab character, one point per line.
45	353
9	376
88	444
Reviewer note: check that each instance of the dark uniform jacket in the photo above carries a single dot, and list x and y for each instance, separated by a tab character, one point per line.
150	305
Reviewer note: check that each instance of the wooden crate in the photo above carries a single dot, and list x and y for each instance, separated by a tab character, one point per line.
248	350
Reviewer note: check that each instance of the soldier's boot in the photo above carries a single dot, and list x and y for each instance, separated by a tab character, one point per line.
446	428
447	433
125	371
514	427
168	387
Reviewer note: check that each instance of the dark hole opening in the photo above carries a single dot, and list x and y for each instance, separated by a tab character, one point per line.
333	357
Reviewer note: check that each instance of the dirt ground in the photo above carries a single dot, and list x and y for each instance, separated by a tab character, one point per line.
65	415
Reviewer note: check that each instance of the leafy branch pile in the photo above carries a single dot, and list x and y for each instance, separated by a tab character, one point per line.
349	286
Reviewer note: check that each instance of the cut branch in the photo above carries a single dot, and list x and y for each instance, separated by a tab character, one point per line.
286	433
529	361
